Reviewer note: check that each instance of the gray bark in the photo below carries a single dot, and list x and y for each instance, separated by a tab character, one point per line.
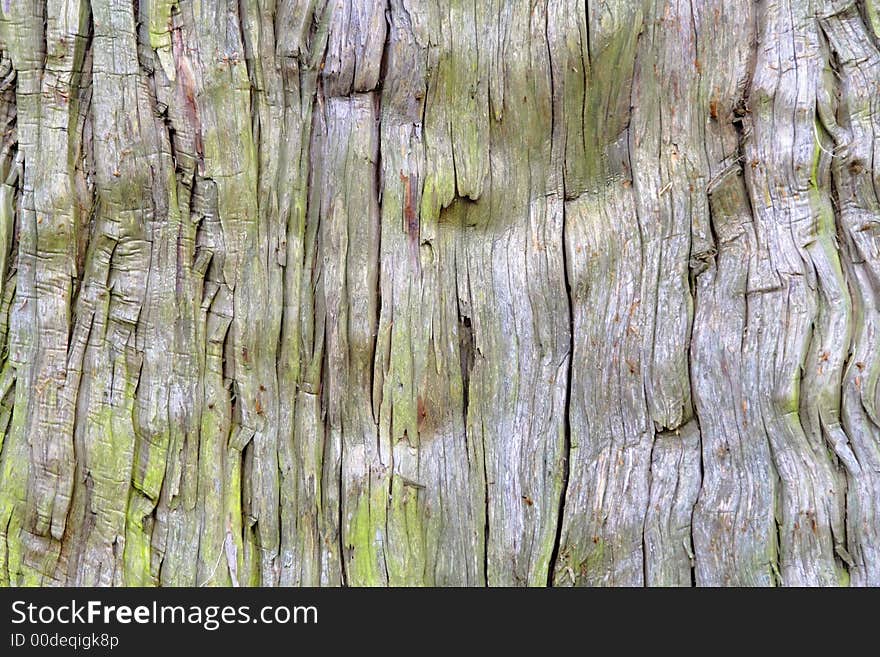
417	292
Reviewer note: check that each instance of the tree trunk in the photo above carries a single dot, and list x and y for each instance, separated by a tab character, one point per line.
429	292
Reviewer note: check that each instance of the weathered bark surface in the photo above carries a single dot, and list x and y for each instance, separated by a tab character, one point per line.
429	292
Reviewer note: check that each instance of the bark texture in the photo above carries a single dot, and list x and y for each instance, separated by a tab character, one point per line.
439	292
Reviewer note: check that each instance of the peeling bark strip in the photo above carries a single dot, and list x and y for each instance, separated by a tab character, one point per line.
417	292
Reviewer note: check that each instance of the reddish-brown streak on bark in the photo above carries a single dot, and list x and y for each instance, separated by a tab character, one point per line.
411	219
187	85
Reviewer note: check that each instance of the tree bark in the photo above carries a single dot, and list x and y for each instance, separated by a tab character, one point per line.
429	292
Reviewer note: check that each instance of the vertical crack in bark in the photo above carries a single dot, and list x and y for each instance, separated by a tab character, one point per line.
848	458
589	47
378	359
560	513
698	264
